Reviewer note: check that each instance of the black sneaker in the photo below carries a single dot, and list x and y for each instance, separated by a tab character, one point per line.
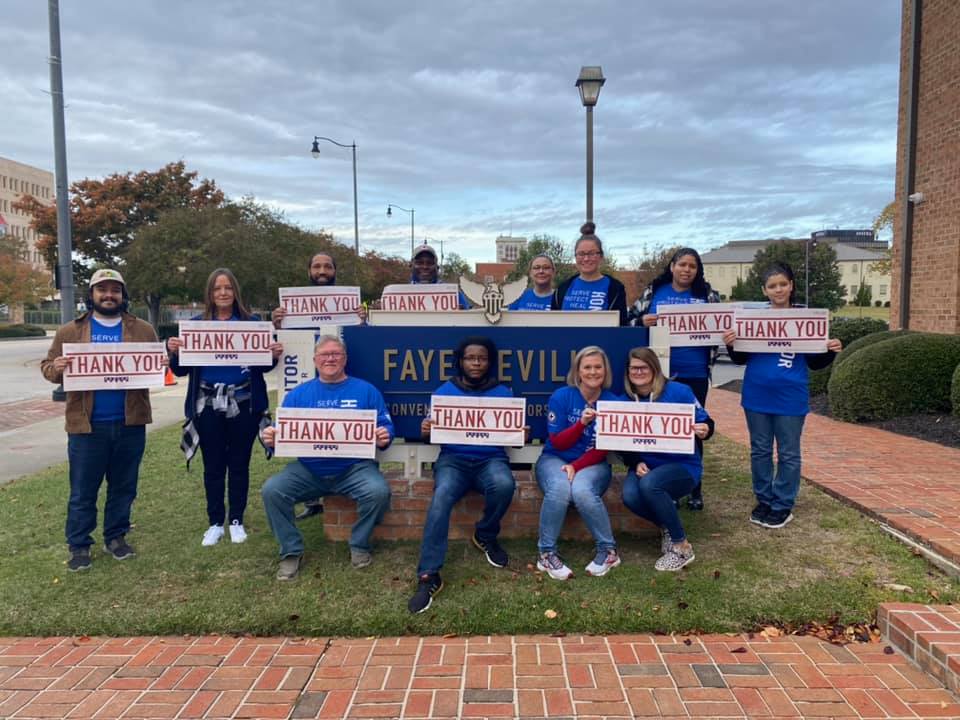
79	559
496	555
759	514
695	503
777	519
427	587
119	548
311	508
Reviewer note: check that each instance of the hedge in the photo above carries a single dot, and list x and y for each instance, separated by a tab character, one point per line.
955	391
847	331
15	331
867	341
906	374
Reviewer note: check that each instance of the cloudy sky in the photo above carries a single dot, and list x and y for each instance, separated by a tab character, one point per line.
720	119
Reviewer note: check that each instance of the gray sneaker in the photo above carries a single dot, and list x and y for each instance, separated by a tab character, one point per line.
289	567
360	558
119	548
79	559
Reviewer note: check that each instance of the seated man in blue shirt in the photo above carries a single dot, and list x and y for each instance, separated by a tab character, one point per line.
308	478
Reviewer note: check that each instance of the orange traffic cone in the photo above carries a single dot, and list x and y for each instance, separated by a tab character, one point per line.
169	378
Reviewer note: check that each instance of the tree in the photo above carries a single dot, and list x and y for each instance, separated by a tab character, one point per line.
826	289
105	214
741	292
550	246
652	263
20	282
864	295
453	268
884	221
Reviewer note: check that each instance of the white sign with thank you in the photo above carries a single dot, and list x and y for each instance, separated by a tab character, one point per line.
465	420
645	426
441	297
113	366
312	307
225	342
803	330
326	432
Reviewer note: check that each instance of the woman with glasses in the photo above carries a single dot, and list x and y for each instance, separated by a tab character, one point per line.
224	407
656	480
591	289
681	283
571	469
540	296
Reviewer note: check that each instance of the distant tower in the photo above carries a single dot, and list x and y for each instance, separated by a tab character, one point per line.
509	248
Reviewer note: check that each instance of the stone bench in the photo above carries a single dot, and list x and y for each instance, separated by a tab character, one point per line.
412	490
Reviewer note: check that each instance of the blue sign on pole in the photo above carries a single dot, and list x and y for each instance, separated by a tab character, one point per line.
408	363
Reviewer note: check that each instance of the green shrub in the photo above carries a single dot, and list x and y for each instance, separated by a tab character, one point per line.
846	330
867	341
167	330
14	331
901	375
955	391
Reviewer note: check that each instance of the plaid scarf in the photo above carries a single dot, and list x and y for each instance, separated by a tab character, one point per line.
222	398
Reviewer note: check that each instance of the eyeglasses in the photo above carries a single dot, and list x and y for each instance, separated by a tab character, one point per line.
588	254
330	355
639	369
475	358
537	268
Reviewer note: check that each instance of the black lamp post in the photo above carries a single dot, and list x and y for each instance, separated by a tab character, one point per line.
315	151
589	83
411	211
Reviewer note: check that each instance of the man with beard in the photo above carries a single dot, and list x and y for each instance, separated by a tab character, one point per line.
106	429
322	271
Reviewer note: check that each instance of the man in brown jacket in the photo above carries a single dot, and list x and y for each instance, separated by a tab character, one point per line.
106	429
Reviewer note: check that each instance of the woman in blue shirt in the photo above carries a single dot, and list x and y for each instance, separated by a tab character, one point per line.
224	408
776	399
590	289
656	480
680	283
540	296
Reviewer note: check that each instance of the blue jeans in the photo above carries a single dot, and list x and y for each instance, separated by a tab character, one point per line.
362	482
778	491
586	492
453	476
653	496
226	444
112	450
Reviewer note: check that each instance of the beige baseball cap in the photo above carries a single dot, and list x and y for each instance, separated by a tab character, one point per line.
106	274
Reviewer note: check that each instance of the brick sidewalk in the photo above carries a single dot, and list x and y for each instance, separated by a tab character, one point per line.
499	677
911	485
26	412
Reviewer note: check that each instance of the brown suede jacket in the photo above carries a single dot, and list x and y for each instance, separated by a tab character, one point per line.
80	404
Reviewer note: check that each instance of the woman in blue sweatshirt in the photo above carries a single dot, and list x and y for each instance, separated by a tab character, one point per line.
776	400
656	480
460	468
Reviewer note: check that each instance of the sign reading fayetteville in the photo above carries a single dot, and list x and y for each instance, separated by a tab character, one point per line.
477	420
804	330
645	427
111	366
696	324
421	298
326	432
311	307
222	343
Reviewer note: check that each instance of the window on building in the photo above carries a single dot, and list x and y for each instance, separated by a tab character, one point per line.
853	292
883	291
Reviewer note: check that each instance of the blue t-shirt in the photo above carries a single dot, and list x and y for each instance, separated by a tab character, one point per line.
685	362
565	407
587	295
531	301
351	394
475	452
108	405
674	392
776	384
228	375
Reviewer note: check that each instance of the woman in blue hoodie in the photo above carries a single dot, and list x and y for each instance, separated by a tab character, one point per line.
460	468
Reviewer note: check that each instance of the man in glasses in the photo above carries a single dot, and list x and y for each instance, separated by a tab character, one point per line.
309	478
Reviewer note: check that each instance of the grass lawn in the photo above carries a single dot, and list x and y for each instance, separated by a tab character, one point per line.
851	311
829	561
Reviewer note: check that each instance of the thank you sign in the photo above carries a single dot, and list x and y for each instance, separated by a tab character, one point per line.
645	427
696	324
461	420
312	307
421	298
113	366
790	330
217	342
326	432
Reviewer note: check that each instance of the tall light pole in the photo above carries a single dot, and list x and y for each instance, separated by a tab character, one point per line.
315	151
411	211
589	83
437	240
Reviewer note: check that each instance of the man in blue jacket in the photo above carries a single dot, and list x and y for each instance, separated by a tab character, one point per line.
311	477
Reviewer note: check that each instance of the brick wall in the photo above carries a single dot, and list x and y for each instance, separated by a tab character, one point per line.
411	497
935	267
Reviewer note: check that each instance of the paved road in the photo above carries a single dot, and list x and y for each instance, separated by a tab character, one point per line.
20	377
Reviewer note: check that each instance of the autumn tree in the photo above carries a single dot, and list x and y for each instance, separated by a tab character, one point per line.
20	282
883	221
454	267
651	263
550	246
106	214
826	288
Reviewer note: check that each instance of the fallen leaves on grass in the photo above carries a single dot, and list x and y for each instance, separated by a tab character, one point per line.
832	631
550	614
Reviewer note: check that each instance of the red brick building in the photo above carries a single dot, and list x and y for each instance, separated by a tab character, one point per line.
926	237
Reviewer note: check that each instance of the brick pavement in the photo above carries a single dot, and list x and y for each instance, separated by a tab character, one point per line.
26	412
717	676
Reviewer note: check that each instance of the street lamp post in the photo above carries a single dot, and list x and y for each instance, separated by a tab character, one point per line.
589	83
411	211
440	241
315	151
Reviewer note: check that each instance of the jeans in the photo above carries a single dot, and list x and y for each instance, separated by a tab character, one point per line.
778	491
453	476
653	496
112	450
700	387
362	482
586	491
226	444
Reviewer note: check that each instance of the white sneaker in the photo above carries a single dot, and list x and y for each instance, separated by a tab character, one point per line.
552	565
237	533
603	563
212	535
